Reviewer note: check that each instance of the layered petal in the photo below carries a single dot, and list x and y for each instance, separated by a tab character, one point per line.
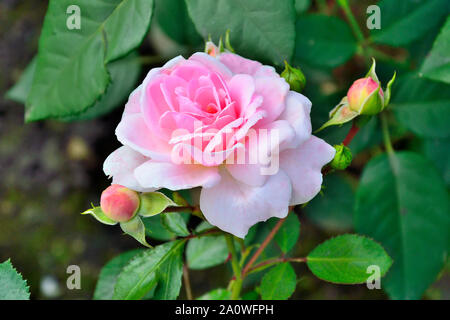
132	131
303	165
120	166
153	174
235	207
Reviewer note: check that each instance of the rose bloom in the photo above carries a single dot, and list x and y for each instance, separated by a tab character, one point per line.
199	122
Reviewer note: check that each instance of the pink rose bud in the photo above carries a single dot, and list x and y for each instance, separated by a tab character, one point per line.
360	98
119	203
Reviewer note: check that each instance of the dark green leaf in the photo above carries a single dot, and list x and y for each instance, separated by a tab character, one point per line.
324	41
403	21
174	20
423	106
263	30
438	152
124	75
19	92
403	203
279	283
206	252
216	294
155	229
437	64
107	279
71	71
12	285
289	232
345	259
333	210
175	223
160	266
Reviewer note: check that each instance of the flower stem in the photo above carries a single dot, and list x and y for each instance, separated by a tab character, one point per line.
237	282
386	135
187	282
263	245
351	19
351	134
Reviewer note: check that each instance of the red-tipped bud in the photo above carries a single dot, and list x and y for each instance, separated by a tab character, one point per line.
119	203
362	97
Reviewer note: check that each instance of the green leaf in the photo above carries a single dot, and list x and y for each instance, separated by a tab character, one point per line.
289	232
403	203
153	203
334	209
135	228
19	92
124	75
302	5
206	252
423	106
339	115
108	276
437	64
279	283
438	152
323	41
262	30
98	214
174	20
403	21
175	223
216	294
345	259
12	285
146	270
71	71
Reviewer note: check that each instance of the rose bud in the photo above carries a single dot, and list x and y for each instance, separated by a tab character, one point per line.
342	158
294	77
365	96
119	203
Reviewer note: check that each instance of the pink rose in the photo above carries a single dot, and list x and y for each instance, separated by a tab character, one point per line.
229	125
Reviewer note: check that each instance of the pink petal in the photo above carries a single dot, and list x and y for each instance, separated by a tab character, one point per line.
303	165
132	131
297	112
121	164
133	104
241	88
238	64
212	64
234	207
274	91
154	174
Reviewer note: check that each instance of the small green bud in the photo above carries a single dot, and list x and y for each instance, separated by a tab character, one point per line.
294	77
342	158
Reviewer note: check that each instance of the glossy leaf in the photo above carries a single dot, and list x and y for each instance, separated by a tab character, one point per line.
262	30
324	41
146	270
288	234
438	152
279	283
108	31
402	202
12	285
206	252
216	294
155	229
345	259
104	289
175	223
403	21
423	106
333	210
437	64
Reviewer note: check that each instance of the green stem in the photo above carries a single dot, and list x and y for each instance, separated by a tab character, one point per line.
386	136
237	282
351	19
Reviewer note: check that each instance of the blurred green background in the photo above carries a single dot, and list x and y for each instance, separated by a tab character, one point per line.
51	171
